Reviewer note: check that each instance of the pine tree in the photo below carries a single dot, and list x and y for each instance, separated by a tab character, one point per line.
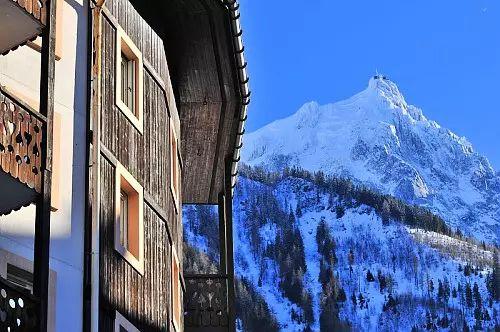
468	295
298	210
446	289
369	276
444	322
486	315
465	327
386	212
429	321
354	300
440	293
339	211
478	316
381	281
467	270
477	296
454	293
350	259
493	280
390	304
431	287
361	300
341	297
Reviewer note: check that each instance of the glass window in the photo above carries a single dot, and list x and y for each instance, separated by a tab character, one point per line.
128	90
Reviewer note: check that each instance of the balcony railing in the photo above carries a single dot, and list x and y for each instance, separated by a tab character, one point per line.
20	21
22	132
18	309
206	303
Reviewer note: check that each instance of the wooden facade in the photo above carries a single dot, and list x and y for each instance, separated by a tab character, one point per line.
192	86
145	300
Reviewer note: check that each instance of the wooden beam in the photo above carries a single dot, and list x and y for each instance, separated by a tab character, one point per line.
42	221
230	248
222	234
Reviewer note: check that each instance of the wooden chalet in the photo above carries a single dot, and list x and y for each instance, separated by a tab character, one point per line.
167	109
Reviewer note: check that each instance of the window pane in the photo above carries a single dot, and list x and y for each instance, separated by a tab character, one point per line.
131	86
124	78
128	82
124	219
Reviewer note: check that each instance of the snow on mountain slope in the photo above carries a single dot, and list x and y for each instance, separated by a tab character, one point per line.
378	139
411	270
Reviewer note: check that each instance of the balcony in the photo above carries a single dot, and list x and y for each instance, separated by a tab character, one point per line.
18	309
206	303
22	132
20	21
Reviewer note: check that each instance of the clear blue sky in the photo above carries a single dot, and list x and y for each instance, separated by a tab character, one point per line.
443	54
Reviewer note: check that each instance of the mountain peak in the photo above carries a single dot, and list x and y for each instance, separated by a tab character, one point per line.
377	139
382	87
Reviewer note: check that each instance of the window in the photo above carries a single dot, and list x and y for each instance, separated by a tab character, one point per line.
176	291
123	325
175	177
129	224
128	83
129	79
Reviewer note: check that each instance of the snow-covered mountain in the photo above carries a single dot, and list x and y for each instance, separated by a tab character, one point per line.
349	216
376	138
317	259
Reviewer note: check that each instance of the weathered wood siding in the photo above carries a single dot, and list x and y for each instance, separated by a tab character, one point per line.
144	300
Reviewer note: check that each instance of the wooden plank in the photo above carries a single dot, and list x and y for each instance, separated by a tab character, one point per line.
42	222
14	169
230	245
30	180
39	157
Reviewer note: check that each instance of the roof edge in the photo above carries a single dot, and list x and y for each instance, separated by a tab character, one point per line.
243	78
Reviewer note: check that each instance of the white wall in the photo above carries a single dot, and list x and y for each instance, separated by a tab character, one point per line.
20	72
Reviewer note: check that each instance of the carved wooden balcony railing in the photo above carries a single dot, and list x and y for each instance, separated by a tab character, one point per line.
18	309
22	132
20	21
206	303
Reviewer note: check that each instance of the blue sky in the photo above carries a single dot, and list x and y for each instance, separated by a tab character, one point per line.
444	55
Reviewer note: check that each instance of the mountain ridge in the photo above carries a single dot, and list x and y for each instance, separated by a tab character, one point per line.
377	139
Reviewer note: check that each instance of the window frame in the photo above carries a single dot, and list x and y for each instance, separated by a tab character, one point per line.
124	181
175	166
121	321
125	45
176	300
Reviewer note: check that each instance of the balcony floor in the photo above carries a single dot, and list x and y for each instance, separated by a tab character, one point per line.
14	194
16	26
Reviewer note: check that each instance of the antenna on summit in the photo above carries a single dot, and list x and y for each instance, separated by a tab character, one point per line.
379	76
